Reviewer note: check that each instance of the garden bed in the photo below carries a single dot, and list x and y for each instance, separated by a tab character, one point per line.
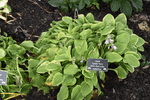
35	16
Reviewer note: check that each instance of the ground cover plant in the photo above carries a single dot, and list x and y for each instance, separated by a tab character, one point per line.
11	57
119	88
125	6
63	51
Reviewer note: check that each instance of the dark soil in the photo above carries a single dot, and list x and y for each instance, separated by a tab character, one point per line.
32	17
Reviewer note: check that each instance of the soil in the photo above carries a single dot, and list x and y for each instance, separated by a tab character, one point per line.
29	18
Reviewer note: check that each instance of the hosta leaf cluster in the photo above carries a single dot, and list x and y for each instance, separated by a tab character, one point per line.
62	53
11	57
125	6
65	5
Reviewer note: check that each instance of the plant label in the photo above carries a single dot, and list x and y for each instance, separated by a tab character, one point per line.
3	77
97	64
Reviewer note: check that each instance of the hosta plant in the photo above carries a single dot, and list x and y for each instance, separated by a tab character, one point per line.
65	5
63	51
11	57
125	6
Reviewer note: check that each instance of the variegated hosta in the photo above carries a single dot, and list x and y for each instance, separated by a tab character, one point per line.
63	52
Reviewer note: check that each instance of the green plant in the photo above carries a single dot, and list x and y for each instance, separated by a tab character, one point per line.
12	55
144	62
73	4
63	51
125	6
4	9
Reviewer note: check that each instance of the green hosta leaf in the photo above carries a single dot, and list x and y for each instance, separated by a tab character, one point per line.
63	93
52	51
129	31
57	79
86	33
81	18
71	69
137	4
70	27
130	68
64	54
87	73
76	29
88	97
52	66
115	5
107	29
113	57
97	26
141	48
133	39
80	46
2	53
93	53
56	3
69	42
102	75
140	42
87	25
13	88
133	53
86	88
42	67
91	81
15	50
64	8
123	38
49	79
109	20
131	48
76	93
38	81
67	19
120	72
106	1
97	5
45	89
87	2
120	47
27	44
26	88
121	18
62	57
119	26
61	35
69	80
131	60
81	4
33	63
126	8
76	55
78	22
122	32
90	17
